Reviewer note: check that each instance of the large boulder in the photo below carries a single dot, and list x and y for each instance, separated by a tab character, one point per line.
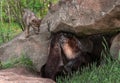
21	75
76	16
35	47
85	16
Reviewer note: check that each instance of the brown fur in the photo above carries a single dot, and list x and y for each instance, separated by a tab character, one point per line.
54	62
68	53
65	55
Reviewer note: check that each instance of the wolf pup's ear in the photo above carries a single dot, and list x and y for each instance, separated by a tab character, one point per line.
34	21
39	20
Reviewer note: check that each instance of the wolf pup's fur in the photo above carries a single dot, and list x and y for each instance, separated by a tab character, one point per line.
30	20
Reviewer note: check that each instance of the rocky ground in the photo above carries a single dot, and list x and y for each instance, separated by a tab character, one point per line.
21	75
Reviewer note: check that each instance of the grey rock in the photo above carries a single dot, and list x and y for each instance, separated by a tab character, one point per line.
21	75
115	47
85	17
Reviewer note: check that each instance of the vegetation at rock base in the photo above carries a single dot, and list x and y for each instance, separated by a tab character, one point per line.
107	72
20	61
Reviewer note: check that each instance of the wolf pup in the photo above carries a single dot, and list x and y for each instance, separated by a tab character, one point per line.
30	20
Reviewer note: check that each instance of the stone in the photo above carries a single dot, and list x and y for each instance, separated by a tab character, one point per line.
21	75
115	47
85	17
35	47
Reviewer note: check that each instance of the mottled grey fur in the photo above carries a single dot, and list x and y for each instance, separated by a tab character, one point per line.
30	20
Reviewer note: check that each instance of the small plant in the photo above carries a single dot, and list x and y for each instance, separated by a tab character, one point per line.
21	61
105	54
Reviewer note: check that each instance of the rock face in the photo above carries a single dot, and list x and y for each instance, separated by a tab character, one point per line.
20	75
35	47
76	16
115	47
85	16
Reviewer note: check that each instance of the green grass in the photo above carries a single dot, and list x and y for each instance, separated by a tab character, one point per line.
8	31
21	61
107	73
